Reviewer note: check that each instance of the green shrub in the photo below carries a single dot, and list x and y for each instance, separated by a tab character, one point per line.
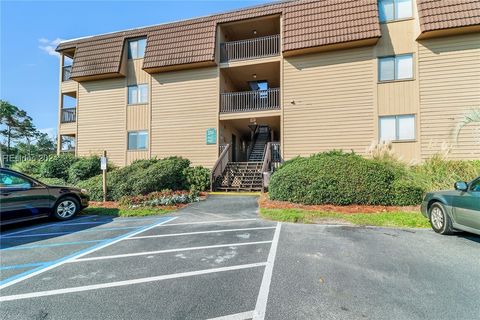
438	173
407	192
57	166
28	167
333	177
165	174
84	169
198	178
94	187
53	181
140	178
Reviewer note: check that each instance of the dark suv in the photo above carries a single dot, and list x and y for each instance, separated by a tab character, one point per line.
23	198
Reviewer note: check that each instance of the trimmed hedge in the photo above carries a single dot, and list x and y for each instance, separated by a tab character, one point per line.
140	178
28	167
339	178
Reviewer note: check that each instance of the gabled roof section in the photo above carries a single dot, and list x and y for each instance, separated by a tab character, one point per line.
437	15
307	23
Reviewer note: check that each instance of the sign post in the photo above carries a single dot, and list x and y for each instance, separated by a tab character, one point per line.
103	166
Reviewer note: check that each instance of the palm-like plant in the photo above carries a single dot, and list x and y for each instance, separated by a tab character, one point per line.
470	117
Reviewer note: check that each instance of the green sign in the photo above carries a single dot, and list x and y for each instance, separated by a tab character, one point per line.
211	136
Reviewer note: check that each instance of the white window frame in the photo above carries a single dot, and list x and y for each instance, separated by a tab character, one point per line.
139	95
394	12
395	71
397	128
137	53
137	134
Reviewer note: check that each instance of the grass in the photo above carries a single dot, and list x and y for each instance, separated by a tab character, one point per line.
126	212
384	219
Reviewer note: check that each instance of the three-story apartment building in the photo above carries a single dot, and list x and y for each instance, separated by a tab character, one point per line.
291	78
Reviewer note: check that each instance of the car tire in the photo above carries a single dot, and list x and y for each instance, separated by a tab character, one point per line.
439	219
66	208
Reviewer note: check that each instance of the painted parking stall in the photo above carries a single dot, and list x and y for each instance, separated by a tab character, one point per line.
180	264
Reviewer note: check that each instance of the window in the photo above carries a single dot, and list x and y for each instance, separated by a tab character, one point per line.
395	67
137	140
138	94
67	143
136	48
475	186
397	128
392	10
8	180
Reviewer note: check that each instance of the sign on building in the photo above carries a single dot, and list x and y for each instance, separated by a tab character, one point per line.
211	136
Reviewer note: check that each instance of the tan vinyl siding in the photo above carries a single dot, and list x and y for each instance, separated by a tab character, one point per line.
138	117
449	71
135	74
397	98
69	86
137	155
184	106
102	119
328	102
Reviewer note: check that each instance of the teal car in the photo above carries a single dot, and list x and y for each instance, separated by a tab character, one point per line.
457	209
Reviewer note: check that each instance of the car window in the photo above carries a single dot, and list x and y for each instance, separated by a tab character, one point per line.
475	186
8	180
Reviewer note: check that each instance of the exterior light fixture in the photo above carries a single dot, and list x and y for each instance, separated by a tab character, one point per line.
254	76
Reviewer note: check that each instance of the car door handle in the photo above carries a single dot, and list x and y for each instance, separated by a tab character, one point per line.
5	193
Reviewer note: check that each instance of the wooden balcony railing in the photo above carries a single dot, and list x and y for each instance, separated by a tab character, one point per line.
220	164
258	100
250	48
66	71
69	115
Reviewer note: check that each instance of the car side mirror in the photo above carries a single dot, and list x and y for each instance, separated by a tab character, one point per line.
461	186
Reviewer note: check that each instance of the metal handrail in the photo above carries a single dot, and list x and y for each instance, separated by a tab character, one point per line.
252	142
220	165
250	48
256	100
68	115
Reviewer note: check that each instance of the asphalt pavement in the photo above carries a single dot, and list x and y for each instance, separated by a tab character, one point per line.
218	259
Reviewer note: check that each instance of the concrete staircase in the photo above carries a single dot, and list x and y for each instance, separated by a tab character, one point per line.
241	176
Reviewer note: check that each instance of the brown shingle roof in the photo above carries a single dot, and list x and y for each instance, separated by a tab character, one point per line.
307	23
445	14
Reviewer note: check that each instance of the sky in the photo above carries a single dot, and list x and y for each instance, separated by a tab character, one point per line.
30	31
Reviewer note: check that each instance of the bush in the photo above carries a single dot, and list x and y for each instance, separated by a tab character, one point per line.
94	187
333	178
198	178
165	174
28	167
407	192
140	178
84	169
57	166
53	181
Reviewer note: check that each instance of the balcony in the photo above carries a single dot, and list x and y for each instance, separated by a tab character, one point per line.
68	115
66	71
247	101
250	48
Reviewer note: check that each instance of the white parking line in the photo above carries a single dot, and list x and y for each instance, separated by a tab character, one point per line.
144	253
198	232
127	282
82	253
207	222
236	316
261	306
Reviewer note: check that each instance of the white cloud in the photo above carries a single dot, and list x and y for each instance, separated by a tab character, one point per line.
49	46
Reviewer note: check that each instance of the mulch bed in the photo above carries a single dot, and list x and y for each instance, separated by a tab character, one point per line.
266	203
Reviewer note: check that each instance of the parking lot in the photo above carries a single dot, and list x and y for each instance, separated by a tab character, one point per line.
218	259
